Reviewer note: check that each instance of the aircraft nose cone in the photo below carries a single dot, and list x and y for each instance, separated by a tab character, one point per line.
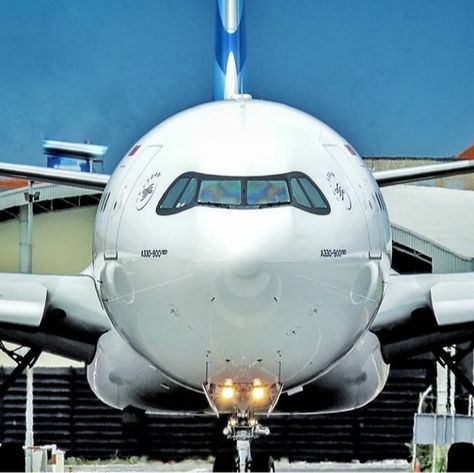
247	298
247	266
243	240
248	279
245	253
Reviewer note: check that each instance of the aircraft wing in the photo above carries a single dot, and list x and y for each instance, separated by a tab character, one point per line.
56	176
391	177
424	312
58	314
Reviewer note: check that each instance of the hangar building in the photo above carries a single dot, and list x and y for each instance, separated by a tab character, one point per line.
433	226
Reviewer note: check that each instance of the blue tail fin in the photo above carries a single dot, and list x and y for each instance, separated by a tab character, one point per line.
230	49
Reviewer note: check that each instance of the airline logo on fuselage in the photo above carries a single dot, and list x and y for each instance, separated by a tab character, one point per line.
338	190
146	191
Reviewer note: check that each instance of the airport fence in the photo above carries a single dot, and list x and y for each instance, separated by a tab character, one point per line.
67	413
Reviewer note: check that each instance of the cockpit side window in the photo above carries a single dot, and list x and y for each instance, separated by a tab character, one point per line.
187	196
174	193
248	192
299	193
313	193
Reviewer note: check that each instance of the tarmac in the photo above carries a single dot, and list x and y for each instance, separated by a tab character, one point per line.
280	466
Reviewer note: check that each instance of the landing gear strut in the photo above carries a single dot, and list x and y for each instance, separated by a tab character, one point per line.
460	455
451	362
22	362
244	429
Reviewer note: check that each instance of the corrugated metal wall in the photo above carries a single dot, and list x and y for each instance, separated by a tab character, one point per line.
47	192
444	261
67	413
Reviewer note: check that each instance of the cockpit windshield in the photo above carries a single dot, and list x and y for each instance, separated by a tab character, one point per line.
193	189
268	191
220	192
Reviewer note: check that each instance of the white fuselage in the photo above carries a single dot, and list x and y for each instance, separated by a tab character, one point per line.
274	293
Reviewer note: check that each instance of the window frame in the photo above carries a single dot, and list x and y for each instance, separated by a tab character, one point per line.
244	203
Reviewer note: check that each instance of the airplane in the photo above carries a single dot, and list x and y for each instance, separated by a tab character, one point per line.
241	268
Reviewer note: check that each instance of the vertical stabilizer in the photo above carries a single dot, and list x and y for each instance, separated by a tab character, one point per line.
230	49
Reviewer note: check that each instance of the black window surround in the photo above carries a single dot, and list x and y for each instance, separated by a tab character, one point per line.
173	207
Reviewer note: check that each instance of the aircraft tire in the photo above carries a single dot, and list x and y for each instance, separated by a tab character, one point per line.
262	462
224	461
461	457
12	457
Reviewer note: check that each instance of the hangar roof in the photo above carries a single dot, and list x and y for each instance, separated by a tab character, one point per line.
46	191
444	217
50	197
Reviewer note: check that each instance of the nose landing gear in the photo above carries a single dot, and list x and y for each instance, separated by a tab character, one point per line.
243	429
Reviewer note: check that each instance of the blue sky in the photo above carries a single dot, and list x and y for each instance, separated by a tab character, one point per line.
394	78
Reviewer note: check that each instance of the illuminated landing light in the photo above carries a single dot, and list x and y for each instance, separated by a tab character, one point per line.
258	393
228	390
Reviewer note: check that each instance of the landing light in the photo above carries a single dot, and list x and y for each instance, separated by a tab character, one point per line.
258	393
228	390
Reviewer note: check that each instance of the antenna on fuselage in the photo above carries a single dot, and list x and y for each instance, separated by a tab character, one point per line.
230	67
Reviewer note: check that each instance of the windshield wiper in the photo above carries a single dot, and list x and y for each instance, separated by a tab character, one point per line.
215	204
274	204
